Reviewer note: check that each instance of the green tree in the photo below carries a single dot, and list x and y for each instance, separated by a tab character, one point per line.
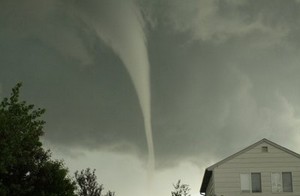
181	189
25	167
88	185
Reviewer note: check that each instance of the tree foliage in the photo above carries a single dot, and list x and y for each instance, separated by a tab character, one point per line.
87	184
181	189
25	167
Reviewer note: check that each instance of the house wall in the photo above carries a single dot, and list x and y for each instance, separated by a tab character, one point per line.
210	187
227	175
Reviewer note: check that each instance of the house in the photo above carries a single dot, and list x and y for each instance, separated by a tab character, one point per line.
262	169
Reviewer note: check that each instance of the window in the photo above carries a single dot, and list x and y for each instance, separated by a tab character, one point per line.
251	183
282	182
245	182
276	182
264	149
287	182
256	182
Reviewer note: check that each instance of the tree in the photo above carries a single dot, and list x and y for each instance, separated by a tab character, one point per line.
25	167
88	185
109	193
181	189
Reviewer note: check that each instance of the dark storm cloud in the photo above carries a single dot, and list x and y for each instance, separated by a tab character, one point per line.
67	69
232	76
223	73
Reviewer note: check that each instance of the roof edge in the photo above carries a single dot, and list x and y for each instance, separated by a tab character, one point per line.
205	181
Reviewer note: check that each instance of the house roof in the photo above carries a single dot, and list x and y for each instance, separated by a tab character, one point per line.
209	170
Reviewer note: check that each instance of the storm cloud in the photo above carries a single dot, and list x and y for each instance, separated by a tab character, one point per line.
222	73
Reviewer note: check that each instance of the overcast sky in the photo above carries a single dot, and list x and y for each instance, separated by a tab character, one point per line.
215	75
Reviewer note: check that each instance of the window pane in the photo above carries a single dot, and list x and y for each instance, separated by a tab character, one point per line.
276	182
245	182
287	182
256	182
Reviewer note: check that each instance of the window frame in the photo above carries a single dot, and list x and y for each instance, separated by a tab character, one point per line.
282	188
247	177
259	181
264	149
249	182
291	181
276	182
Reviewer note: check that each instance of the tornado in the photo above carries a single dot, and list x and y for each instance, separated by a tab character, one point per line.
121	26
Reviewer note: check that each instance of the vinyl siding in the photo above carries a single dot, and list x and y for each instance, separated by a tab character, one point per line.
227	175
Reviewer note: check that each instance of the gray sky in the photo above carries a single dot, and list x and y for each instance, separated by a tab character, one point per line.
223	74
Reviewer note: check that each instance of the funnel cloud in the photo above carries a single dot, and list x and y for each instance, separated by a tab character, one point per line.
125	34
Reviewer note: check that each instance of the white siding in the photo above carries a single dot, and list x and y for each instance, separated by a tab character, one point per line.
227	175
